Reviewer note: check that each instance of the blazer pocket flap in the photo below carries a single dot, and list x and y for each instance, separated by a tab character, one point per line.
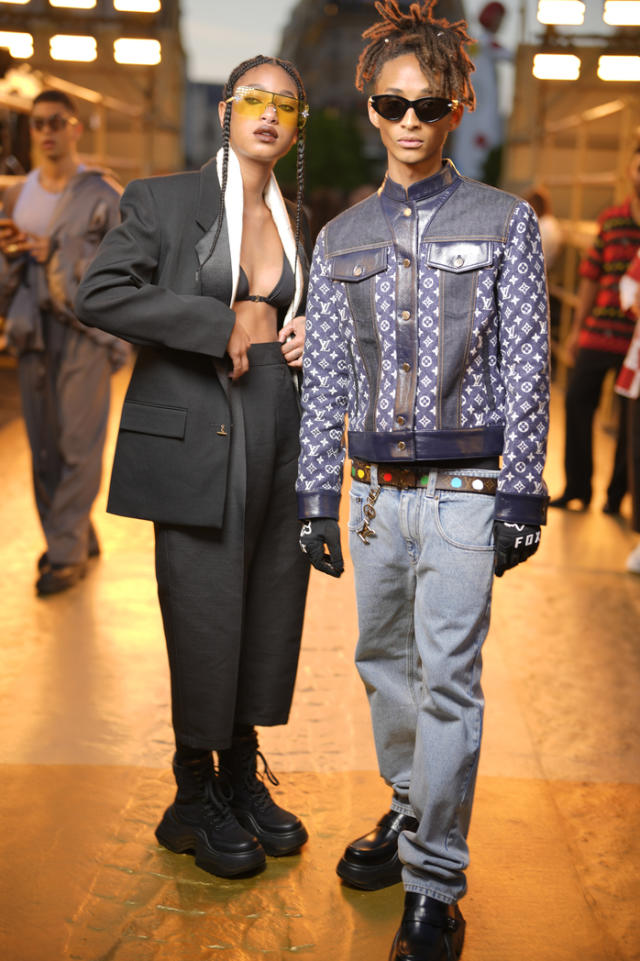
459	255
358	264
153	419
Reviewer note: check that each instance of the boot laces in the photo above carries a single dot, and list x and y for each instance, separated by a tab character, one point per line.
255	782
217	795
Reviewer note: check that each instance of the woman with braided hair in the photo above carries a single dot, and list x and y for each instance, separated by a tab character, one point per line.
207	275
428	306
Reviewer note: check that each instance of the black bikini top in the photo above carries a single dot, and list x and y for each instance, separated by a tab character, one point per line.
281	295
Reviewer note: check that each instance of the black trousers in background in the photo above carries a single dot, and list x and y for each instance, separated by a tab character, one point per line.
232	600
65	392
582	399
633	407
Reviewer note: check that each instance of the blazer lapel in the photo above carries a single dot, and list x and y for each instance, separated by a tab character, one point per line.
208	194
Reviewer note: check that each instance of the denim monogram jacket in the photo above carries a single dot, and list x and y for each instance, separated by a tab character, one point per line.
427	327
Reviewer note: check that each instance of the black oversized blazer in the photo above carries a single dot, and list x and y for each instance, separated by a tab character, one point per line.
153	284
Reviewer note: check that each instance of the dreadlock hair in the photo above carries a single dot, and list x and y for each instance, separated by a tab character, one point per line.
437	44
227	91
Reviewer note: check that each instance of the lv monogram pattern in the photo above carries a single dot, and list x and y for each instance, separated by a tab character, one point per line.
505	378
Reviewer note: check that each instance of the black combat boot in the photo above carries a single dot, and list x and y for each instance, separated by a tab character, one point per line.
278	831
201	822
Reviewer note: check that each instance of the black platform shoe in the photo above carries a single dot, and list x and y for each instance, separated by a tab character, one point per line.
200	822
565	499
429	931
56	578
279	831
371	862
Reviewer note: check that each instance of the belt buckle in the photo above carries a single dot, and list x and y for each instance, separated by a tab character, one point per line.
407	479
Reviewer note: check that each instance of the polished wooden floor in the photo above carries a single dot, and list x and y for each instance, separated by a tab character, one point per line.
86	747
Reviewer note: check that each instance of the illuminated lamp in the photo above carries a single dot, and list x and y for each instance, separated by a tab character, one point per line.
68	47
622	69
136	51
75	4
556	66
14	1
19	45
561	12
137	6
622	13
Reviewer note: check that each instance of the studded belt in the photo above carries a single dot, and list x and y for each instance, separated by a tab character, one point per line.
407	477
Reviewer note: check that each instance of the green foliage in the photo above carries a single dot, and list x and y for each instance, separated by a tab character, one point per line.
334	155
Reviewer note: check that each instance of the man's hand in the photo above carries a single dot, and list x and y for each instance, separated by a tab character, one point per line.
237	347
571	345
12	241
38	247
514	543
317	532
292	339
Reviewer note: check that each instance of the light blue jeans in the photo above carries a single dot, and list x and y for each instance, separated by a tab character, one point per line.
423	589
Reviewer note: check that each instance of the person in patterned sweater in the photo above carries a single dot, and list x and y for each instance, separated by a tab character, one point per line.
598	341
427	326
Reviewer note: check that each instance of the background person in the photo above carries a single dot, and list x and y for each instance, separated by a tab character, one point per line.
207	275
427	326
628	386
598	340
50	229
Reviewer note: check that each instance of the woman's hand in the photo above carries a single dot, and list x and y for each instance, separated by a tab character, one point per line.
292	339
237	348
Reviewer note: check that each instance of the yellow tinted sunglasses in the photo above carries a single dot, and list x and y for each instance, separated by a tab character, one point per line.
252	102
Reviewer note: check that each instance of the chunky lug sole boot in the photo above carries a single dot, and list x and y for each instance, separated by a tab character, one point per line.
200	822
371	862
280	832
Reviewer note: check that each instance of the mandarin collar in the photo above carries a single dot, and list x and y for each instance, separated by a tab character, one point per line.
423	188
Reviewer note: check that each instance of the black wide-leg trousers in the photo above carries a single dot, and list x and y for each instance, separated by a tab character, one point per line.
582	399
232	599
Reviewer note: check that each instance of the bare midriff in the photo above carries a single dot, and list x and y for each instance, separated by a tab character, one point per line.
258	319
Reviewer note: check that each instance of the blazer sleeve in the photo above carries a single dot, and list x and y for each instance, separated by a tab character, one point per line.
117	293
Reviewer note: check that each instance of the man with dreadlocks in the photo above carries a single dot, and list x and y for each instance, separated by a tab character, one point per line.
207	275
427	327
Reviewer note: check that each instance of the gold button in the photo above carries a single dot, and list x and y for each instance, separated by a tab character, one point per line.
406	367
406	212
402	445
406	262
459	261
400	420
405	315
357	270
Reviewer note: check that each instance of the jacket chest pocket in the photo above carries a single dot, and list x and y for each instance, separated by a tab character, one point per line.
358	265
459	256
458	264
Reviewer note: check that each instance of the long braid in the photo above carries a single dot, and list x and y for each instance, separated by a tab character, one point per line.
437	44
300	147
226	126
299	189
227	91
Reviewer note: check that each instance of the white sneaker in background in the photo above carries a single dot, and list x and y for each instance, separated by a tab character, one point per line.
633	560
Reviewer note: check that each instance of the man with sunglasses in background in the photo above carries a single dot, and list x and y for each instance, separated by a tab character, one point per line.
52	223
427	328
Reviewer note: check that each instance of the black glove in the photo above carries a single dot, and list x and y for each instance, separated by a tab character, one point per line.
314	535
514	543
